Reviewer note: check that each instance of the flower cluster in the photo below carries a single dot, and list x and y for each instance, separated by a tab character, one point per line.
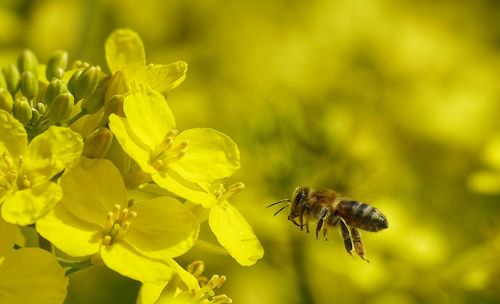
94	165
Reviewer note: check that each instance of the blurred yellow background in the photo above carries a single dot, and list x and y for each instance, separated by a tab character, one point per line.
393	103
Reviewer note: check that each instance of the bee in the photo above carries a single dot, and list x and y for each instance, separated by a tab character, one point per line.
328	208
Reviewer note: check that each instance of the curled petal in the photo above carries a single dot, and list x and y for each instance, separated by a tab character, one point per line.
164	78
125	52
235	234
12	134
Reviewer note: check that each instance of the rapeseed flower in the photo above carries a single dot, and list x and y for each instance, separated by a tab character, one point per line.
28	275
27	189
179	162
136	239
125	53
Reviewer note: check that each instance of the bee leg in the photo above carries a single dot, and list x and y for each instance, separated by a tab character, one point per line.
307	227
301	217
358	245
344	230
295	223
320	222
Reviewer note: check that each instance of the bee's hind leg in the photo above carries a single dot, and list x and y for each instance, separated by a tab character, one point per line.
358	245
320	222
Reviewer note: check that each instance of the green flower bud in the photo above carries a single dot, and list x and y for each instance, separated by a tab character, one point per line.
40	107
3	83
62	107
27	62
29	84
115	105
6	101
57	65
55	88
12	77
98	143
22	110
117	86
73	80
35	115
86	84
96	101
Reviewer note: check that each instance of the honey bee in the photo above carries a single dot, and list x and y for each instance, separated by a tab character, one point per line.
328	208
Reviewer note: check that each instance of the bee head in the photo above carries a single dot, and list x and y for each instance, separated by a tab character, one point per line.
299	199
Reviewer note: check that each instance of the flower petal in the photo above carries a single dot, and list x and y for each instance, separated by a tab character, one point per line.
92	189
12	134
174	183
235	234
124	259
210	155
163	228
125	52
130	143
69	233
164	78
7	237
32	275
148	114
24	207
51	152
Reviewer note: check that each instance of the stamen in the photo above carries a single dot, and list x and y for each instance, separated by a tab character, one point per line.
117	224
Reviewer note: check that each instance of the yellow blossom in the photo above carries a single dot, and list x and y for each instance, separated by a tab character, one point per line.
95	218
27	191
28	275
178	162
125	53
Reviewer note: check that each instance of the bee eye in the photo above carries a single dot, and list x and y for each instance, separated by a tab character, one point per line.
301	197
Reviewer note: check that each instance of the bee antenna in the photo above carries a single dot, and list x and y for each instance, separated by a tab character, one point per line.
281	209
279	202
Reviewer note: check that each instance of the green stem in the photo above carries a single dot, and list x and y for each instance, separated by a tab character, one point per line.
76	117
74	266
44	243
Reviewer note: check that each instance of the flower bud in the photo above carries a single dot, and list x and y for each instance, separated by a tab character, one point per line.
3	84
57	65
35	115
6	101
115	105
93	103
27	62
87	82
29	84
117	86
22	110
98	143
62	107
55	88
12	77
40	107
73	79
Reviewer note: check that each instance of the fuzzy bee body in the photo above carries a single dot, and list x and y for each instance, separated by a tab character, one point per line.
328	209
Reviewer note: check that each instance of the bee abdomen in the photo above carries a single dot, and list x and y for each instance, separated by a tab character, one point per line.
361	215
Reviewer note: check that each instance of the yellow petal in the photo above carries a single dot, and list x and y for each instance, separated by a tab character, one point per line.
124	259
164	78
235	234
174	183
24	207
52	151
92	189
210	155
163	228
148	114
31	275
69	233
12	134
7	237
125	52
130	143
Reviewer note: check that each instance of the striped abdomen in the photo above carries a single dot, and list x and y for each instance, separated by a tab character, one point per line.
361	215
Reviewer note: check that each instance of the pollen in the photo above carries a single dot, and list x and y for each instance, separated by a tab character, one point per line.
168	151
117	224
11	173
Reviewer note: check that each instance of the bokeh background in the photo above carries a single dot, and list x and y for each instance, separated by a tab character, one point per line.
395	103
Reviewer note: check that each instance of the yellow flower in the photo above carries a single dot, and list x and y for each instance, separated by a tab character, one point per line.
27	191
28	275
179	162
125	53
95	218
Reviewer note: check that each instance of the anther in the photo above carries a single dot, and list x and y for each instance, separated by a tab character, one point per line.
107	240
